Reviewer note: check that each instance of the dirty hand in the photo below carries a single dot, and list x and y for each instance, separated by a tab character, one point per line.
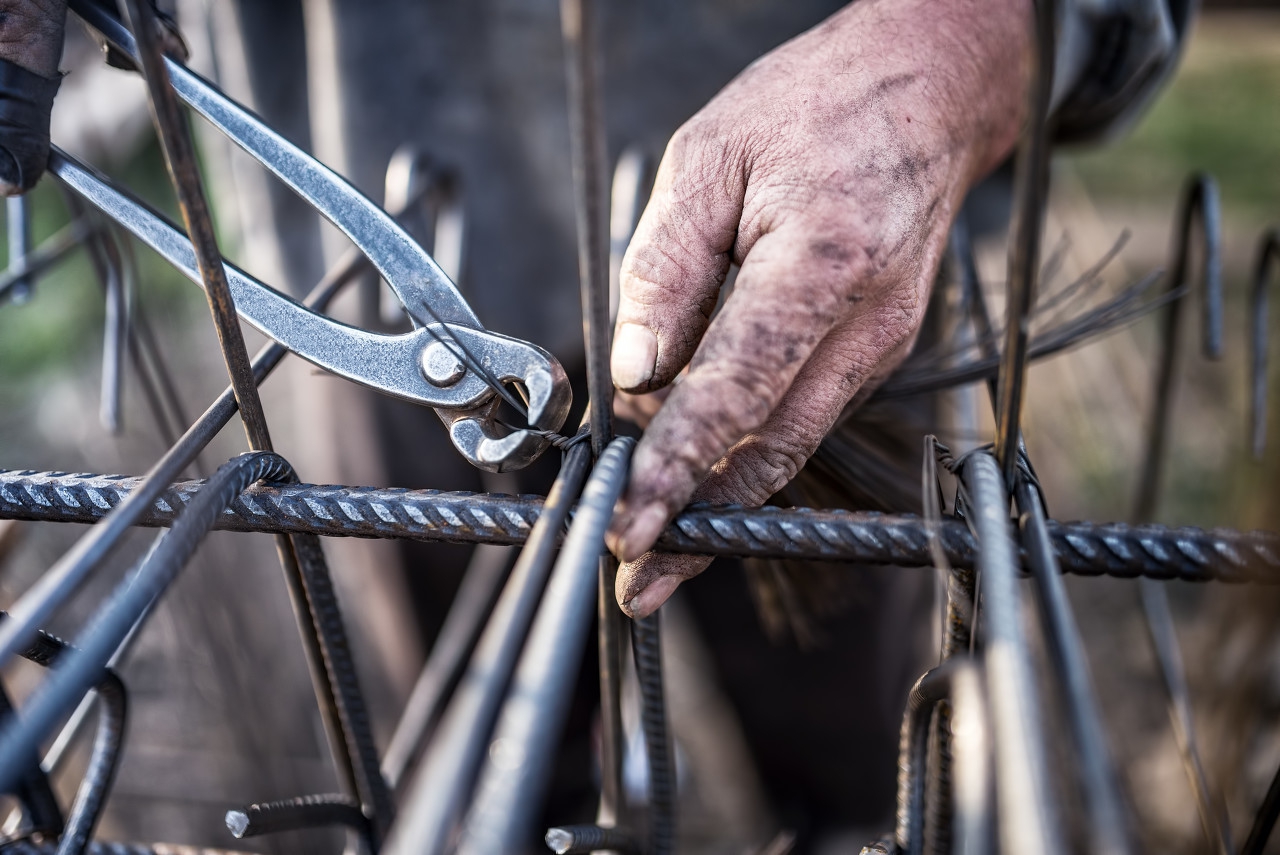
830	171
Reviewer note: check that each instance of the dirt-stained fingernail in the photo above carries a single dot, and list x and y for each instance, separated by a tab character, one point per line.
654	595
635	356
640	535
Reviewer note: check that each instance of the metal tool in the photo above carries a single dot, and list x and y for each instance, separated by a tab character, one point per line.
448	362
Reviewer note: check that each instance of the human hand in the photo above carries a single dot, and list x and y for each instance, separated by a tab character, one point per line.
830	171
30	44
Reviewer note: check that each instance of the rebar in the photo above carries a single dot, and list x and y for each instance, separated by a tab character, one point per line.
933	687
524	742
99	847
180	157
70	237
1028	821
81	669
18	224
317	811
1031	186
31	783
1083	548
1265	820
1259	326
1108	827
113	711
471	607
646	645
587	151
438	793
583	839
105	759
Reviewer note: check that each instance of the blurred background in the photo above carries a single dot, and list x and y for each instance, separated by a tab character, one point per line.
1085	426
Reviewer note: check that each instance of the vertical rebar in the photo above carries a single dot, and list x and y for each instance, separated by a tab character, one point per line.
587	147
471	607
1027	819
311	591
1260	323
180	157
1108	827
587	150
445	776
1031	180
646	644
528	731
1198	206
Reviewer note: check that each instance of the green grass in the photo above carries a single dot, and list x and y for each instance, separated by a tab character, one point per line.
60	328
1220	113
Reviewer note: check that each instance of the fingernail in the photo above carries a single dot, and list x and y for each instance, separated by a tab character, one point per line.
643	531
647	601
635	355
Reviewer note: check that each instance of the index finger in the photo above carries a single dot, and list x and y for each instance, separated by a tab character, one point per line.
789	294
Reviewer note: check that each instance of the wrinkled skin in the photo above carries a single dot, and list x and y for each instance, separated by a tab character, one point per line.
31	33
830	171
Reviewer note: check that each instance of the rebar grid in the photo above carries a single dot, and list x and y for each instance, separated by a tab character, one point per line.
517	650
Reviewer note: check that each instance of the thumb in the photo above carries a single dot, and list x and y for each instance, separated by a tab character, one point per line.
677	261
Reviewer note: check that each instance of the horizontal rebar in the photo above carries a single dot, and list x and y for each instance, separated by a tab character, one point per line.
1083	548
99	847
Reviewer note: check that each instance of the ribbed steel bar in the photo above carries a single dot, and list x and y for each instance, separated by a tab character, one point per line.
32	788
81	669
1108	826
1028	820
316	811
319	620
438	793
113	711
471	607
587	149
582	839
1083	548
646	645
932	687
513	778
18	222
59	582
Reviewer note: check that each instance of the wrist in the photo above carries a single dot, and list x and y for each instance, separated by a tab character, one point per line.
970	60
